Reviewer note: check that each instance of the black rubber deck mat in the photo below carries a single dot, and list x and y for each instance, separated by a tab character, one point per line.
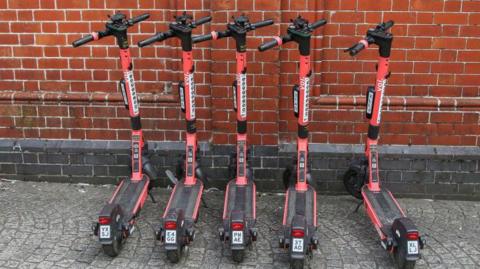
128	195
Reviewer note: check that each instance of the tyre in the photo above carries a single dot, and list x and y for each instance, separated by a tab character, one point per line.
296	263
173	255
288	178
400	259
237	255
114	248
353	183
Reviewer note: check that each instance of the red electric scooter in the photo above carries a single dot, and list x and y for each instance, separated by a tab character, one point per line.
117	218
300	211
239	216
398	234
181	213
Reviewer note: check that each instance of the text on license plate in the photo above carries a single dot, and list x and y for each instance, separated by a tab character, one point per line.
297	245
412	247
170	236
104	231
237	237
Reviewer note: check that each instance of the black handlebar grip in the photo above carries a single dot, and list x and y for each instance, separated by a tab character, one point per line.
356	49
268	45
261	24
201	38
82	40
318	24
139	18
202	20
388	24
152	39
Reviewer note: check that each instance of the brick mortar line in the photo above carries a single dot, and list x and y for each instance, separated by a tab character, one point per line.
434	102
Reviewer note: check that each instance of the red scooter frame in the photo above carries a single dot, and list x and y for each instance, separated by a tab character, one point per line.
181	213
239	210
300	210
398	234
116	220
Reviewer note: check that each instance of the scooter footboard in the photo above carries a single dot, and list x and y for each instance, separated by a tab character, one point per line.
299	225
239	215
186	198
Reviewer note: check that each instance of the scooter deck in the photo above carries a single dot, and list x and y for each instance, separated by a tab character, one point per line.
384	206
240	198
301	203
128	195
186	198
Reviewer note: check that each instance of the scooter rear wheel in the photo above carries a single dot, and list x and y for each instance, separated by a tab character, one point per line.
237	255
353	183
401	260
114	248
173	255
296	263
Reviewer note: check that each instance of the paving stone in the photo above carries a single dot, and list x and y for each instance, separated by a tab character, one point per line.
47	225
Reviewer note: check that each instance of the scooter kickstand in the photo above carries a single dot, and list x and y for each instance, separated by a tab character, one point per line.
151	197
358	206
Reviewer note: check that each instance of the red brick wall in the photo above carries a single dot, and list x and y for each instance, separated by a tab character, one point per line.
51	90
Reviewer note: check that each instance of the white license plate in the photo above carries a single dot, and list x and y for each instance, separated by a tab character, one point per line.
297	245
412	247
237	237
170	236
105	231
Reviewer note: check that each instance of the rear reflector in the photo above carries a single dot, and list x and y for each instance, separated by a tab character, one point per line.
104	220
298	233
412	236
237	226
170	225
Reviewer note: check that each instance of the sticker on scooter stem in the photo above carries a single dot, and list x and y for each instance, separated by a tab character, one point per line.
242	83
301	166
241	158
305	84
295	93
191	87
370	101
181	93
234	91
189	161
136	153
381	88
133	92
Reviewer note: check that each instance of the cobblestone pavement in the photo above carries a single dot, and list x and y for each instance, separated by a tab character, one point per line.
47	225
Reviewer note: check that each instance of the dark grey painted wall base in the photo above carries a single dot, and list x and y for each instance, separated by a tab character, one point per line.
415	171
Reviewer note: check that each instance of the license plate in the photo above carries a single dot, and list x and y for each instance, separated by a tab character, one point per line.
237	237
297	245
412	247
105	231
170	236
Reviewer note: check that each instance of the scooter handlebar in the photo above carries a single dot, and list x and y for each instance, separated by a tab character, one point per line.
261	24
82	41
202	21
139	18
355	49
156	38
317	24
201	38
387	25
268	45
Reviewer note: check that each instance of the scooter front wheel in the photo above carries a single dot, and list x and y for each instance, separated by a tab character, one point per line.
296	263
173	255
237	255
353	183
